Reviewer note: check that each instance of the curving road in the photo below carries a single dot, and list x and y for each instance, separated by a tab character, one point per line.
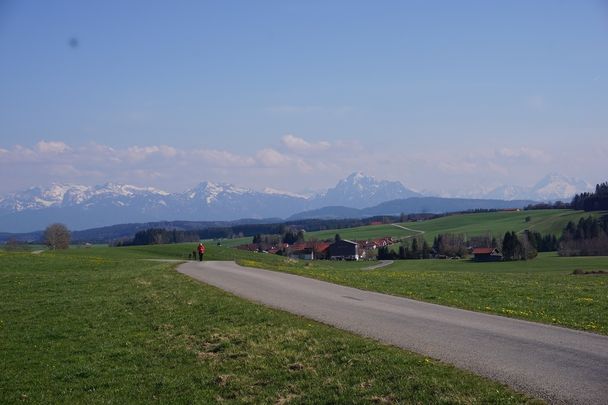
557	364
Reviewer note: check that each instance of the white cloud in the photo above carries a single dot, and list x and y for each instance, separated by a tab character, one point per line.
522	153
296	165
52	147
299	145
222	158
139	152
271	158
459	167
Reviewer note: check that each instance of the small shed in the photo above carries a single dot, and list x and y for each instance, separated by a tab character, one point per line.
486	254
344	250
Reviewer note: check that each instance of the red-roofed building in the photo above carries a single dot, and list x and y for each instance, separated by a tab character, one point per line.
308	250
486	254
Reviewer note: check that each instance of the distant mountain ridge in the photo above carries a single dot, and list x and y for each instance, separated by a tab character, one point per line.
81	207
552	187
431	205
84	207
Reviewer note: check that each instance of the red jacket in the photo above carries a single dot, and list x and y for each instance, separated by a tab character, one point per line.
201	248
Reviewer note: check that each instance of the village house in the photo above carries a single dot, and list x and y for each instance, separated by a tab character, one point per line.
308	250
486	254
372	244
344	250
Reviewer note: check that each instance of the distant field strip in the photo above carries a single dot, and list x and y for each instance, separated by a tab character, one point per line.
470	224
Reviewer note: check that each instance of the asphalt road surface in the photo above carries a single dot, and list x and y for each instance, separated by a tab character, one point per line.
556	364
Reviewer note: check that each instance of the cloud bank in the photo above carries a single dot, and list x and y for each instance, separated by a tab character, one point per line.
293	164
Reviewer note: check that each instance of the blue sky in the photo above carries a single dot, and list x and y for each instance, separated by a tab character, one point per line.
295	95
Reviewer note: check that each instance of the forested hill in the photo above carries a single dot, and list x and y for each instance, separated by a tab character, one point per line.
596	201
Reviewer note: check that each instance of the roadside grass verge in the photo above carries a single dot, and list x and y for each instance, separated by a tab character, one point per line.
100	325
540	290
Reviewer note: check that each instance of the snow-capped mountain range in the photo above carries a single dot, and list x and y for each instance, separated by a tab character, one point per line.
82	207
552	187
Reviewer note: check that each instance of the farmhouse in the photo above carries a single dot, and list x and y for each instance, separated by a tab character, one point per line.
303	254
486	254
308	250
344	250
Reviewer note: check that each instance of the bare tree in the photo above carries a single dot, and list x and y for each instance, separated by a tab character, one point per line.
57	236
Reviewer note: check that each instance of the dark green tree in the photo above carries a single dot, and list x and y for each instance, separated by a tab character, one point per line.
415	253
426	250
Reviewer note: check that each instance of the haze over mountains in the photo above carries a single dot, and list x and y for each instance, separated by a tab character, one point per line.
82	207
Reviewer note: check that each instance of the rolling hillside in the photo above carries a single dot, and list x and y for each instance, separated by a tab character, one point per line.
496	223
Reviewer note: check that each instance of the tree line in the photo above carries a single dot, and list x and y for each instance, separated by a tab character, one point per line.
417	248
513	246
159	236
589	237
287	234
596	201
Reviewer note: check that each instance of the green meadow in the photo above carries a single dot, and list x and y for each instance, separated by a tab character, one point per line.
473	224
101	325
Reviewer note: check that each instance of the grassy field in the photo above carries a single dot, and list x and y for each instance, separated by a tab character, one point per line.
496	223
99	325
231	242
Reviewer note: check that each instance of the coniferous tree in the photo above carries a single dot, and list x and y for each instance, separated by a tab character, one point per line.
426	250
596	201
415	254
402	252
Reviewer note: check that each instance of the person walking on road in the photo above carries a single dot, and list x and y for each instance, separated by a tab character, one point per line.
201	251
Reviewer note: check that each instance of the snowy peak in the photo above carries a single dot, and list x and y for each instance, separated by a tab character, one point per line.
359	191
211	192
39	198
272	191
61	195
552	187
507	192
556	187
124	190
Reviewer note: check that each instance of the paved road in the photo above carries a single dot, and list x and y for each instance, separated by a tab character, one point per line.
557	364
